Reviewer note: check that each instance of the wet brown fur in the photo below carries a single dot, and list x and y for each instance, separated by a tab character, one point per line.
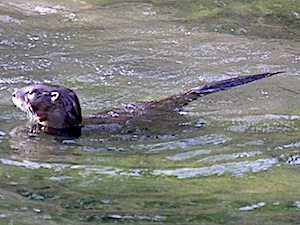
56	110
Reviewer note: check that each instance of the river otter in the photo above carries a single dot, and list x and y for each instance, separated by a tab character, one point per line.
56	110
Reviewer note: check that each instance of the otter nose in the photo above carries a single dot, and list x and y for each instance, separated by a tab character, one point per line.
14	93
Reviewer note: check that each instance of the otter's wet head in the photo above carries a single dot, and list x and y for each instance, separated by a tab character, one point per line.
50	106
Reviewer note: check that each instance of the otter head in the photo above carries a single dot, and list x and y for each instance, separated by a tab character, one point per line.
49	106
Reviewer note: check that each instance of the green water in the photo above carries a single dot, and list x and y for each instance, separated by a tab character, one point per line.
233	159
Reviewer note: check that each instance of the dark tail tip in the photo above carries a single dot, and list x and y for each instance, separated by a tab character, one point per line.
232	82
271	74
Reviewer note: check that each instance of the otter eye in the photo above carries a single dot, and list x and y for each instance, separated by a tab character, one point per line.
31	92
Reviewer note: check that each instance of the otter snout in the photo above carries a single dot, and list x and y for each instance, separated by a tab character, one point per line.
16	99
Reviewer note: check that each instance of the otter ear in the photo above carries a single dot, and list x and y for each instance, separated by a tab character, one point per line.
54	95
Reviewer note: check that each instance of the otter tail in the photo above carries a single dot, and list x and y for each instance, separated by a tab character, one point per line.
229	83
179	100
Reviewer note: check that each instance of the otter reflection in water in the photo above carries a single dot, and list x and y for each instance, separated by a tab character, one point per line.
56	110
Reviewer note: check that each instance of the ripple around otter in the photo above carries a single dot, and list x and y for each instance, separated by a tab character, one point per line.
214	139
189	154
236	169
225	157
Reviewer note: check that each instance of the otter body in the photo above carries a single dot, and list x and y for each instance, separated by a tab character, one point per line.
56	110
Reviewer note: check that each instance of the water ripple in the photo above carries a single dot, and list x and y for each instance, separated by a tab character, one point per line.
189	154
214	139
235	168
223	157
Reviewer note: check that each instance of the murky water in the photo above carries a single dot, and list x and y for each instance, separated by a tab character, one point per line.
119	53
